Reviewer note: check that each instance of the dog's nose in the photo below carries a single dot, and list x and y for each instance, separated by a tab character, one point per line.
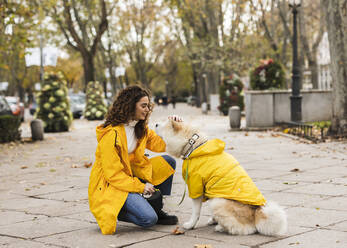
157	125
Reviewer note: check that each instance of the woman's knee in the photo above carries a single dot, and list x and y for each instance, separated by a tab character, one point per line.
171	161
149	220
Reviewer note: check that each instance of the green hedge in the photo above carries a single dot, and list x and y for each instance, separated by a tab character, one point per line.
9	128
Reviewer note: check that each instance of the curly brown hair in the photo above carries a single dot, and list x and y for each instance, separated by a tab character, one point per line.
124	107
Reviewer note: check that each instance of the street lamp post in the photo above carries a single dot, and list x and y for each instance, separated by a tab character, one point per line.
295	99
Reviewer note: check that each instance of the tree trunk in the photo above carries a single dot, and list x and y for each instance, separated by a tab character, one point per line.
88	68
336	20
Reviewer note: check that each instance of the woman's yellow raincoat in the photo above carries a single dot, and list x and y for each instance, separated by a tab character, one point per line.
214	173
115	173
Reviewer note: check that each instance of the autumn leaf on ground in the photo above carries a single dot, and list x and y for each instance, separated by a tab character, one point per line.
24	167
275	135
202	246
87	165
230	148
177	231
290	183
246	134
52	170
294	170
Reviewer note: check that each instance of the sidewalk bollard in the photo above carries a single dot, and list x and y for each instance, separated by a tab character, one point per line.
204	108
234	117
36	129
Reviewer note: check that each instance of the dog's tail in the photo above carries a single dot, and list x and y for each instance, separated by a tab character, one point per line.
271	219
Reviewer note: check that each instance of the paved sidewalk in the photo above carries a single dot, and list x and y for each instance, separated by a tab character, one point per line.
44	199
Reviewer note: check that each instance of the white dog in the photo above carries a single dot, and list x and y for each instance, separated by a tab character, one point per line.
211	174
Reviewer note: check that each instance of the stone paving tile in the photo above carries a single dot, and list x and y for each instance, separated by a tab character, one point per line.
70	195
342	226
314	217
333	203
5	240
182	241
43	206
310	177
316	238
275	185
92	237
42	226
11	217
320	188
28	244
294	199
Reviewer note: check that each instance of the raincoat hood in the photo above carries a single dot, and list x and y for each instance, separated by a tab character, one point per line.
211	147
101	131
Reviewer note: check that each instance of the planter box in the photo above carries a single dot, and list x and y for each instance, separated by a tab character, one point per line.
266	108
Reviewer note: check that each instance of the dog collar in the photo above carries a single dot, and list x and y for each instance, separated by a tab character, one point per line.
188	148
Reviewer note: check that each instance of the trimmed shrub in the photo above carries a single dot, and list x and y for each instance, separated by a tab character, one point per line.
269	75
230	94
9	128
95	106
53	104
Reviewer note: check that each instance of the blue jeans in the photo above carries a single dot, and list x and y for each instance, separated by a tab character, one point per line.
137	210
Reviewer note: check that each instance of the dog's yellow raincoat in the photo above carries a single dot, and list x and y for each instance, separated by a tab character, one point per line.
115	173
214	173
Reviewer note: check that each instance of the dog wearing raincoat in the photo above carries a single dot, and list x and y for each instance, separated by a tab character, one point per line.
238	207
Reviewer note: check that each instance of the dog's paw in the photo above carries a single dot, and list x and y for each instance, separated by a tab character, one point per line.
188	225
219	228
211	221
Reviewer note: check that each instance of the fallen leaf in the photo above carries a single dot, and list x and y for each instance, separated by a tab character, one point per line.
294	170
246	134
24	167
230	148
177	231
87	165
202	246
290	183
52	170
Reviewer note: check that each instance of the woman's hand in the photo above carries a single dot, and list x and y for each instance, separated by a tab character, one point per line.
175	118
149	189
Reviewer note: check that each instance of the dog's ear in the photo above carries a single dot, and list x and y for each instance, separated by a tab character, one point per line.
176	125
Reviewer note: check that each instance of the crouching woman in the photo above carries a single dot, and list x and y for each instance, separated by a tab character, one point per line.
122	172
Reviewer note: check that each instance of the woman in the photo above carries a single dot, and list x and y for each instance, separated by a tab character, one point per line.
122	172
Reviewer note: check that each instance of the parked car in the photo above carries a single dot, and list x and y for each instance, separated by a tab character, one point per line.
5	108
191	100
77	104
16	106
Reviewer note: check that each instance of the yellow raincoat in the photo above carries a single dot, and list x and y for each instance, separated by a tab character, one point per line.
115	173
214	173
